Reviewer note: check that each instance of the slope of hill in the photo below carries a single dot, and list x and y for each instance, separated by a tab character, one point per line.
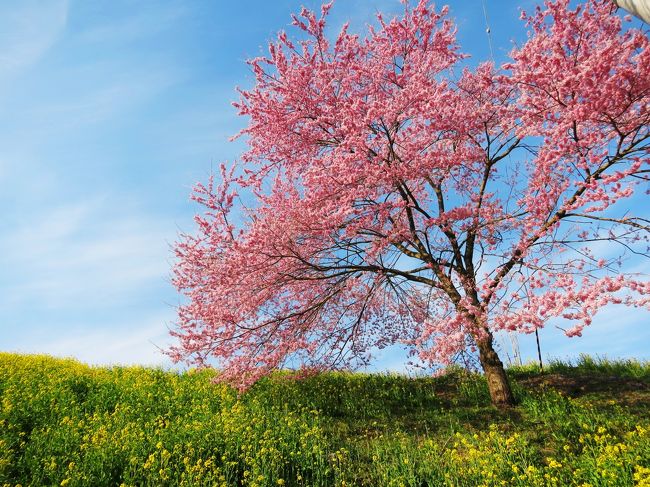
64	423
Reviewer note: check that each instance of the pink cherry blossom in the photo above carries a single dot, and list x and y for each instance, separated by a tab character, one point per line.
388	196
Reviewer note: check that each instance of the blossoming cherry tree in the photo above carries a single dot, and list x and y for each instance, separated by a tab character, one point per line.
388	196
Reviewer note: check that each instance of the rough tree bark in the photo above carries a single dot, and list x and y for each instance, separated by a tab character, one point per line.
495	374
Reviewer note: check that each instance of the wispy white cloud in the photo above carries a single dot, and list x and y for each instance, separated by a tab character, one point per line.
143	23
87	279
119	90
27	30
81	255
120	343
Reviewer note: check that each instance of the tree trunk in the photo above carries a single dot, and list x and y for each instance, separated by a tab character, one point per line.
497	381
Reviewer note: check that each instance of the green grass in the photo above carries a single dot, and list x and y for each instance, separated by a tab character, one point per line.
64	423
585	365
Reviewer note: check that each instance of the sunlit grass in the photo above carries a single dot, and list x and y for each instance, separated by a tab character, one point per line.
64	423
587	364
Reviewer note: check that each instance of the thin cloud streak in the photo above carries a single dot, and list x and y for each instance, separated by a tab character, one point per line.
81	255
28	29
122	343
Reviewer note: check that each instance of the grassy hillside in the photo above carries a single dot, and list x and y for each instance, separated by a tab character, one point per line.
63	423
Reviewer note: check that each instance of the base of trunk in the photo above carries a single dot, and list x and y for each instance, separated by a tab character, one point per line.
497	380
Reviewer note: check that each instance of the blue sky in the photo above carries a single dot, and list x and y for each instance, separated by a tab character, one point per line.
111	111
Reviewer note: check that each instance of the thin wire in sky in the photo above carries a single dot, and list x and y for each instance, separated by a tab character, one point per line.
488	30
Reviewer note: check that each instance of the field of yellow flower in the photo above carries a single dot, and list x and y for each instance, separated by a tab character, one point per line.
63	423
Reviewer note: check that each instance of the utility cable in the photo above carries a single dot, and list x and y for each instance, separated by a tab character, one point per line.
488	30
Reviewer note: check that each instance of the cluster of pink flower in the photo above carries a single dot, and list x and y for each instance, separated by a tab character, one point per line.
392	201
